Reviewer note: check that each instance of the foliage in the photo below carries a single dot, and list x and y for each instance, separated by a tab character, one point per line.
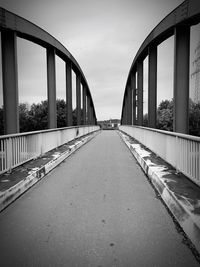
61	113
36	117
24	120
194	118
165	117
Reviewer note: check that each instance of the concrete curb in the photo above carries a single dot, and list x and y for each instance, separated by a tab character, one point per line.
177	204
11	194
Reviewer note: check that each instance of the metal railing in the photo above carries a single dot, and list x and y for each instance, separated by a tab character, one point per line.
180	150
16	149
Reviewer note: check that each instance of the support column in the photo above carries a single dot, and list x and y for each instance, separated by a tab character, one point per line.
129	98
10	82
140	92
125	110
84	105
122	116
51	86
93	119
78	98
133	86
181	79
68	69
124	121
88	110
152	87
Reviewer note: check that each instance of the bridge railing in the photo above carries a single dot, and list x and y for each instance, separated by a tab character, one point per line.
180	150
17	149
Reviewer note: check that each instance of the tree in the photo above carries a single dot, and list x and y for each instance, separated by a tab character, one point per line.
74	117
61	113
165	115
194	118
24	118
38	116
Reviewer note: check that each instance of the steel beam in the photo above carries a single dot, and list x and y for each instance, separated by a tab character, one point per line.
129	102
78	98
10	82
68	68
51	86
126	109
84	105
152	87
181	79
133	86
140	91
88	110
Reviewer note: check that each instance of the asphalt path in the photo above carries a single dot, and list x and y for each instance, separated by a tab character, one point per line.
95	209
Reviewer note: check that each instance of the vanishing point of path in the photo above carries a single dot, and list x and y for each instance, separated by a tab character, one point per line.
95	209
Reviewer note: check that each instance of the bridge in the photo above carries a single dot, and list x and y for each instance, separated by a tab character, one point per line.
97	207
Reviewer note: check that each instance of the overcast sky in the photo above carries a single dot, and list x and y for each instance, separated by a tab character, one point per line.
103	36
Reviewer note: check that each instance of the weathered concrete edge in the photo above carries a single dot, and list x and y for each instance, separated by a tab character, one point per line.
183	216
11	194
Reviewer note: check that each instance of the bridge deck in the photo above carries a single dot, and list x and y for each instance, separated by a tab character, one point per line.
96	209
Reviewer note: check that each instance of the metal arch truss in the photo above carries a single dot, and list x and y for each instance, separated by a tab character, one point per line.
176	24
13	26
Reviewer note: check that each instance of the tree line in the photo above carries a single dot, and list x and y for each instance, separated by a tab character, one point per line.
35	118
165	117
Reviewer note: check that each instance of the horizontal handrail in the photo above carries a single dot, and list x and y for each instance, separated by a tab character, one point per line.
41	131
184	136
180	150
16	149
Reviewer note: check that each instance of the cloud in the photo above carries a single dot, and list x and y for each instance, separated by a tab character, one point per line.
103	36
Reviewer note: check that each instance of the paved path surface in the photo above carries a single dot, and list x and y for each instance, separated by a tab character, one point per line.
96	209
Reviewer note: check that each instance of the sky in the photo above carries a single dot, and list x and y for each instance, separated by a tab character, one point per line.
103	36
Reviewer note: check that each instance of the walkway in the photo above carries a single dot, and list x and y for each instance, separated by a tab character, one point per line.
96	209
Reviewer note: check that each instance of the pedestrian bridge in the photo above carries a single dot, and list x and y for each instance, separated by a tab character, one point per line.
177	148
97	208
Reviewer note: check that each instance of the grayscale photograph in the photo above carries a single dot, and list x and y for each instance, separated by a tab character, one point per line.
99	133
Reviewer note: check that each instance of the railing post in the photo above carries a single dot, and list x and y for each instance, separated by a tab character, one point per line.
84	105
51	85
9	154
78	98
181	79
10	82
140	91
68	93
152	87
